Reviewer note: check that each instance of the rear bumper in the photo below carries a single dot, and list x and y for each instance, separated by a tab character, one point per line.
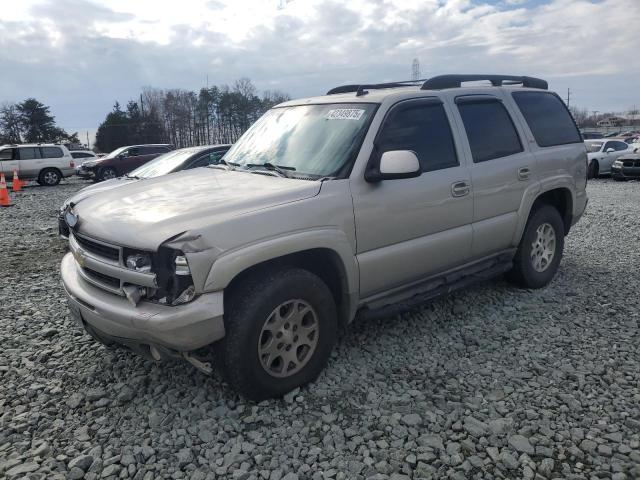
108	316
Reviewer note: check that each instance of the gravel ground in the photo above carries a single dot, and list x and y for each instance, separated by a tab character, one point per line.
491	382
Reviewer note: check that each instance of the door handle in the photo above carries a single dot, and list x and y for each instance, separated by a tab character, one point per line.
524	173
460	189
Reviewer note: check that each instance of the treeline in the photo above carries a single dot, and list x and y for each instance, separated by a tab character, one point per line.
30	122
218	114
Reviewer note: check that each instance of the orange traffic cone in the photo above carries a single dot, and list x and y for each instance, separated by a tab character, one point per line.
16	182
4	193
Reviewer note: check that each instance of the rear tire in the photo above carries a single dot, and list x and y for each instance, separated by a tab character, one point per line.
540	251
593	170
49	177
281	326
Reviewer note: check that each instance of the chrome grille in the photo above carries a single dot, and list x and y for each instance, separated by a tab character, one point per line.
98	248
102	265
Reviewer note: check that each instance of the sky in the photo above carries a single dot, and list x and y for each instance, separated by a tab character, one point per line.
80	56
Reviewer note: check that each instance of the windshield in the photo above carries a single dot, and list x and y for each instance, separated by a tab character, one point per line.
593	147
163	164
116	152
305	140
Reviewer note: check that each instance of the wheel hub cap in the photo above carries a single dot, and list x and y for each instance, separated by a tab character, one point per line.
543	247
288	338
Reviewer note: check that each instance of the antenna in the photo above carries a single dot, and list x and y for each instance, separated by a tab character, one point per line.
415	69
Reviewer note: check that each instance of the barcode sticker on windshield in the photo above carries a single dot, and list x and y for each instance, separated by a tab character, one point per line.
344	114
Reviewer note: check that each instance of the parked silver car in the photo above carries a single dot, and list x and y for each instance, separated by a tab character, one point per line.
603	152
365	201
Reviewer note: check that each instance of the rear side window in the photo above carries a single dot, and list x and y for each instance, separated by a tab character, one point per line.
80	155
29	153
6	154
548	118
490	130
51	152
152	150
423	128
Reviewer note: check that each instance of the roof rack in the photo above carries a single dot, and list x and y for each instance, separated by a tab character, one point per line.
444	81
361	89
455	81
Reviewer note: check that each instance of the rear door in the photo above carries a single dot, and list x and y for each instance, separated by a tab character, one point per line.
8	161
502	169
30	161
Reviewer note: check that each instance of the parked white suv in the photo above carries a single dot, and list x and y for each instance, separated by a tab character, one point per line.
47	163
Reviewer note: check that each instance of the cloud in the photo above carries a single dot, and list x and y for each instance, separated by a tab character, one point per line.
79	56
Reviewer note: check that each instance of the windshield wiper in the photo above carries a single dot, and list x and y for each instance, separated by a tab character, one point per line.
133	177
281	169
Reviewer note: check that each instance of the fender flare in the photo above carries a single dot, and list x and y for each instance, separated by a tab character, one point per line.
233	262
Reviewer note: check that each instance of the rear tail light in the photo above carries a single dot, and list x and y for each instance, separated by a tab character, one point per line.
71	164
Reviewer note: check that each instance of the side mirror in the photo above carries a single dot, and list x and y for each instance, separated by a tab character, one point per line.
396	164
610	150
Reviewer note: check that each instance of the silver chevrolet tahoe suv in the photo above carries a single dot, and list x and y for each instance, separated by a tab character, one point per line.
362	202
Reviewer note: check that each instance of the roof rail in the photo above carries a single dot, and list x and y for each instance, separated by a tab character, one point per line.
454	81
360	89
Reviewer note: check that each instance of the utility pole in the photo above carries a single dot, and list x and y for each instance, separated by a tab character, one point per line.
568	96
88	145
415	69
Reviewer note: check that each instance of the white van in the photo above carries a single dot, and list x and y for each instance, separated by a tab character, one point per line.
47	163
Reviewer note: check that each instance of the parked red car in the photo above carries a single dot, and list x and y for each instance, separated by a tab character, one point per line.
121	161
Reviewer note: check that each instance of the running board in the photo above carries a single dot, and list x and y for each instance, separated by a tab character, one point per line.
435	287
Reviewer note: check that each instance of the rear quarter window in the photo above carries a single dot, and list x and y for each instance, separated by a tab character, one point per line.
51	152
548	118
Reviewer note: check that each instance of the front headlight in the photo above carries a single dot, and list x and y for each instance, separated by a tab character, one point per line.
617	163
140	262
182	266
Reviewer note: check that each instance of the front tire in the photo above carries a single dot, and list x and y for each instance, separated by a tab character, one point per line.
540	251
593	170
107	173
281	326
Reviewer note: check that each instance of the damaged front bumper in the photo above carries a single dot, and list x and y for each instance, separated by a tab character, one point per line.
160	330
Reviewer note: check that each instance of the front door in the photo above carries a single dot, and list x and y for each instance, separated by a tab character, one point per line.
408	229
501	171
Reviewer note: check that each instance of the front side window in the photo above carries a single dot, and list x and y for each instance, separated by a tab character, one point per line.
490	130
548	118
29	153
619	146
423	128
132	152
51	152
305	140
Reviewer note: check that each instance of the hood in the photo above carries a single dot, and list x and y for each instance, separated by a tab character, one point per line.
98	187
146	213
